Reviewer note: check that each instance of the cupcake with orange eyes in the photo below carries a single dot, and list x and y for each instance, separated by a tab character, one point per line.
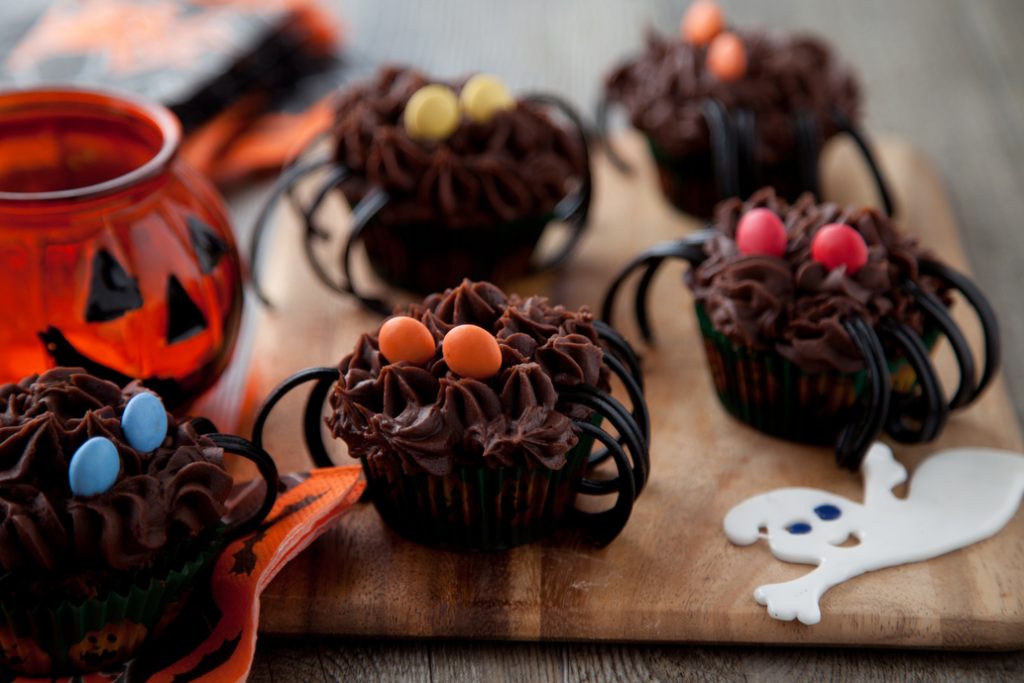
475	415
726	112
447	179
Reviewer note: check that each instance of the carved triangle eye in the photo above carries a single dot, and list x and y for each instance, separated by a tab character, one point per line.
112	291
209	246
184	319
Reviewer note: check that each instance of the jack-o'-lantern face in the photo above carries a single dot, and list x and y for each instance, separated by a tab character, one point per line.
23	654
110	645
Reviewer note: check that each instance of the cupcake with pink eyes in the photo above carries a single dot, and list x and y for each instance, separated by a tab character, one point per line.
726	111
818	321
476	414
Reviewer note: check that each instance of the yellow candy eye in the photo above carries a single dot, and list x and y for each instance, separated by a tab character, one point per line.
483	96
432	113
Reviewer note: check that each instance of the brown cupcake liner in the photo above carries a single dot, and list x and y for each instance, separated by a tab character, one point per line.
773	395
478	508
431	257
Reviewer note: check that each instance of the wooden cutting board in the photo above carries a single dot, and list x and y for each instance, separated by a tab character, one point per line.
671	576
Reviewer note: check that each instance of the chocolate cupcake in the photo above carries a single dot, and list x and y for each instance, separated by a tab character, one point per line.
110	509
449	180
725	113
818	319
474	415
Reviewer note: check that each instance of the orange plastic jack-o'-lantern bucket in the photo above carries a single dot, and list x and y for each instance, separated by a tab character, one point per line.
115	255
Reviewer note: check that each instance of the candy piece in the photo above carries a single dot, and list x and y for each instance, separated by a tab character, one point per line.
471	351
483	96
94	467
702	21
760	231
144	422
727	57
432	113
837	245
406	339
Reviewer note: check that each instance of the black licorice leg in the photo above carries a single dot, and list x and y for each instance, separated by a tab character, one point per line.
745	125
690	249
624	424
806	134
723	147
289	193
856	438
268	471
362	214
844	124
574	209
933	410
603	527
312	421
282	389
601	120
641	415
982	308
937	313
314	233
618	345
640	412
289	178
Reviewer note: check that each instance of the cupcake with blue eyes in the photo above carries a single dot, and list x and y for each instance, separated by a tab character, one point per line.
109	511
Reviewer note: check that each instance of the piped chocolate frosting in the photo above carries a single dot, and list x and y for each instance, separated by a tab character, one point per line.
663	91
425	418
519	164
793	305
171	494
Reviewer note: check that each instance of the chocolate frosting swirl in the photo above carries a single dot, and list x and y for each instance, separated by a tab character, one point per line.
794	305
662	90
174	492
519	164
428	419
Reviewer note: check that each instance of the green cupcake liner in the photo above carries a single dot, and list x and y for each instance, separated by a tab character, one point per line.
432	257
773	395
100	632
479	508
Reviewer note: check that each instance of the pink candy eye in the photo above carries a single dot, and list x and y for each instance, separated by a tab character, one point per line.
837	245
760	231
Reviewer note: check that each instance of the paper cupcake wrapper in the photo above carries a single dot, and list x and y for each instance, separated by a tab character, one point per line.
773	395
689	182
478	508
101	632
431	257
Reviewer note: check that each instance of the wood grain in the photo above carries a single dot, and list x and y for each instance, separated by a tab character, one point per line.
663	579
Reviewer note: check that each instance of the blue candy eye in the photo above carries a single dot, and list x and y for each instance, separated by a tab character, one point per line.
94	467
144	422
828	512
799	528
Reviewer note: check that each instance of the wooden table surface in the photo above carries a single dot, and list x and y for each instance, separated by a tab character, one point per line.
940	73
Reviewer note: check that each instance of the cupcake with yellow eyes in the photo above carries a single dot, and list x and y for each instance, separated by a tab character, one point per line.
475	415
449	180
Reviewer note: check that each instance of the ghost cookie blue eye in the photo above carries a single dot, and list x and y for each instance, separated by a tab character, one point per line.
799	528
828	512
94	467
144	422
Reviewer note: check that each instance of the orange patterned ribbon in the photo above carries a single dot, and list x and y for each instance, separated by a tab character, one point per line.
244	569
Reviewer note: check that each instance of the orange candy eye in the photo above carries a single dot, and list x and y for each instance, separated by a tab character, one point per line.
406	339
727	57
702	21
471	351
